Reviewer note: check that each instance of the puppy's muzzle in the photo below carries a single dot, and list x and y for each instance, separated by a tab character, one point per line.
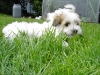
74	31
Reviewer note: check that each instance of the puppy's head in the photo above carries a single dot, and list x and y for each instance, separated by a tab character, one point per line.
68	22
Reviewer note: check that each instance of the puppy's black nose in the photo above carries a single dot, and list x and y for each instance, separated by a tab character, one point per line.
75	31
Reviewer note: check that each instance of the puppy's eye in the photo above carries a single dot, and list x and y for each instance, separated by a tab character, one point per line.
77	23
67	24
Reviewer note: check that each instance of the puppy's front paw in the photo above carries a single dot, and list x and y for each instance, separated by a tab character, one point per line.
65	43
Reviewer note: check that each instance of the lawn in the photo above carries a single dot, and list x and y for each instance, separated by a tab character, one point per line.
47	56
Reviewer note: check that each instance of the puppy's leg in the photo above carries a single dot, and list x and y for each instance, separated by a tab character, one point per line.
65	44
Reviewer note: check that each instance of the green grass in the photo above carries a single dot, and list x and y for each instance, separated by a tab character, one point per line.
47	56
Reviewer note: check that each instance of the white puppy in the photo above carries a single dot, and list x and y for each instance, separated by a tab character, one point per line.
62	20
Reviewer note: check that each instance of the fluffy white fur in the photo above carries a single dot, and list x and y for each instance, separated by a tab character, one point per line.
62	20
35	28
70	7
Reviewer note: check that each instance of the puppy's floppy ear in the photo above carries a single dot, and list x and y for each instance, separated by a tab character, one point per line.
58	19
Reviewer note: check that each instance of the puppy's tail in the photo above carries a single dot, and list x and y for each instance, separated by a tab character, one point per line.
70	7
